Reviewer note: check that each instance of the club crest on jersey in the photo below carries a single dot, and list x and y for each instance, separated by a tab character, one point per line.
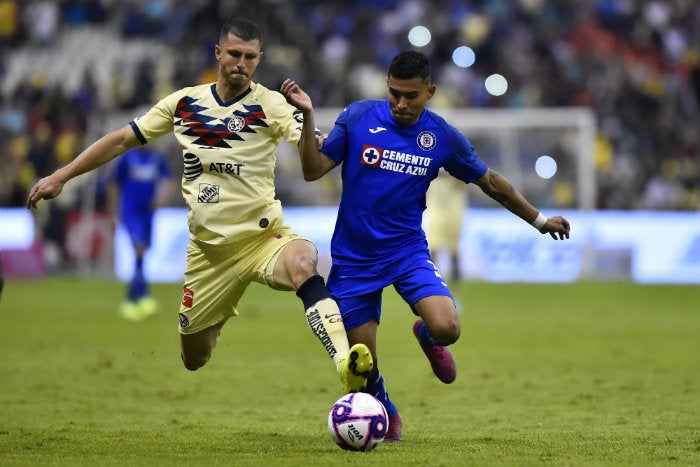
371	155
235	124
426	140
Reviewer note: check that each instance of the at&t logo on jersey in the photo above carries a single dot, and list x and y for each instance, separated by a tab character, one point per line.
395	161
192	167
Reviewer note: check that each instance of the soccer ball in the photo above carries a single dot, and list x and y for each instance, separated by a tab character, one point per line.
358	422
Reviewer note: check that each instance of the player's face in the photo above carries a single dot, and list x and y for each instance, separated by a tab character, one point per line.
238	60
408	97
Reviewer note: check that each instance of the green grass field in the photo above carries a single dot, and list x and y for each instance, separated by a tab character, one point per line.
590	374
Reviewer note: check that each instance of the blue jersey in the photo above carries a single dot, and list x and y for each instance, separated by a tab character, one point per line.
386	171
138	174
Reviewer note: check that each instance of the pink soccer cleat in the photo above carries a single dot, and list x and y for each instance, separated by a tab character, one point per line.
440	358
393	434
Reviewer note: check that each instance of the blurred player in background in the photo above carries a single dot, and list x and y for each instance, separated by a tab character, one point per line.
391	150
140	183
447	200
229	132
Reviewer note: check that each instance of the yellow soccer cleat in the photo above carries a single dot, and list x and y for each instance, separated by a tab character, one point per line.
355	369
147	307
130	311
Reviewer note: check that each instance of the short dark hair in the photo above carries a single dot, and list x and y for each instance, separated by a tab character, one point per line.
410	64
242	28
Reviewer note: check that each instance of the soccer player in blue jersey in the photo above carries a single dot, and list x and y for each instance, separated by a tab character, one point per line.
390	151
140	183
229	132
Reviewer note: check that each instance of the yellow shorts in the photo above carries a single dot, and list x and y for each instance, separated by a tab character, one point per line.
217	275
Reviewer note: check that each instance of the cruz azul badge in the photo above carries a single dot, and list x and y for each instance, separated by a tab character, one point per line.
426	140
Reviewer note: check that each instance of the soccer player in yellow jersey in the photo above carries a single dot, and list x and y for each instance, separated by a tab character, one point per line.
229	132
446	204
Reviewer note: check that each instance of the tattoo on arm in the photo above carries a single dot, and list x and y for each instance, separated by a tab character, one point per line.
493	180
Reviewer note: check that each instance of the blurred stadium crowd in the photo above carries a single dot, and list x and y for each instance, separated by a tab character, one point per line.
67	64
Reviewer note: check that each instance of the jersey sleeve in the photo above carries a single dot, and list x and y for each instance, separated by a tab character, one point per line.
335	146
158	121
464	164
289	120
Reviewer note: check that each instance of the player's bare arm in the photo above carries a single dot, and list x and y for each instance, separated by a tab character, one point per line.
498	188
98	153
314	164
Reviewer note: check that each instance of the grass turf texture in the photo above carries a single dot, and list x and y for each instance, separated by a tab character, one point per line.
594	374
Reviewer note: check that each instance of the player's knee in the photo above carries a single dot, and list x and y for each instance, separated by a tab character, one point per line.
196	349
449	338
194	363
301	262
308	258
304	268
447	332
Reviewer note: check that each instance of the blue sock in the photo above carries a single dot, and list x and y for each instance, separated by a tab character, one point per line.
377	388
138	287
425	337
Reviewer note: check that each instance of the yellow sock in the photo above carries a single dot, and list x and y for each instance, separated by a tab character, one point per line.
326	322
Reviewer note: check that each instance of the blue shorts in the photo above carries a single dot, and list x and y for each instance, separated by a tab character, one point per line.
358	289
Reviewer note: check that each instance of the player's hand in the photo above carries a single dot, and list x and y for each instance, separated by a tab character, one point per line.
557	225
296	96
320	139
46	188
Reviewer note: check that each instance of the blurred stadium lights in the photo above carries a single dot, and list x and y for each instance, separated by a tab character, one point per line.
419	36
496	84
545	166
463	56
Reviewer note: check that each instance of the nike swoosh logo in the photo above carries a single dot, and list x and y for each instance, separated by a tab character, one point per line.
334	314
377	130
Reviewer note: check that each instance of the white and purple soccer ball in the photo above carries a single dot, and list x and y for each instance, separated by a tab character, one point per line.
358	422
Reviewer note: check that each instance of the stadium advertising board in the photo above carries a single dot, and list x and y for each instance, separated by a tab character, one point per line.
647	247
643	246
